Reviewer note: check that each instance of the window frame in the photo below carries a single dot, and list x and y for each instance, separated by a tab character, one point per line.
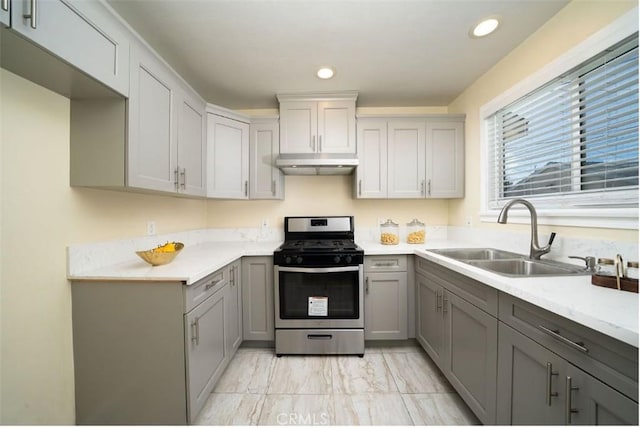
602	216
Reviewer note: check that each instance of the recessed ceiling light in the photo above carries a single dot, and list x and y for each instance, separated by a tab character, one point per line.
325	73
485	27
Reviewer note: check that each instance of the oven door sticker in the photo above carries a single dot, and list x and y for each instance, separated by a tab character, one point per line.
318	306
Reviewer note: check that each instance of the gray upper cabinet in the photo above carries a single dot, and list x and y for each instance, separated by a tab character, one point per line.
82	33
5	13
413	157
227	155
265	180
318	123
192	157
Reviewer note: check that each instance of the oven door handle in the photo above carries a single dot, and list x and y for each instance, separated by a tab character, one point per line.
319	270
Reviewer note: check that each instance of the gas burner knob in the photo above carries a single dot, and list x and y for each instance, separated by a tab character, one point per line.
287	260
336	259
348	259
299	260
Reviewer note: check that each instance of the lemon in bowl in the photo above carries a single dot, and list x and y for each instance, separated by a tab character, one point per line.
162	254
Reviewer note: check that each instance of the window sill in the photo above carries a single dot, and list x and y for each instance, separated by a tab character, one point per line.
606	218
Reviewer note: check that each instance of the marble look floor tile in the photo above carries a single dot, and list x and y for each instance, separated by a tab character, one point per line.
248	372
414	372
370	409
270	351
405	348
231	409
293	409
352	374
439	409
301	375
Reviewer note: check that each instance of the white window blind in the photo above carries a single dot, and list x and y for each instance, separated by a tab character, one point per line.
574	141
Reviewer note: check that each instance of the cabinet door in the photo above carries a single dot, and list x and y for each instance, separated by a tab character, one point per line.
592	402
265	180
385	306
192	144
228	158
336	127
406	151
445	160
530	388
257	298
205	348
371	174
82	33
5	13
430	321
298	127
233	314
471	336
152	151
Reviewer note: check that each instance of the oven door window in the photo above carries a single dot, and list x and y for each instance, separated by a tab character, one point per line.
341	290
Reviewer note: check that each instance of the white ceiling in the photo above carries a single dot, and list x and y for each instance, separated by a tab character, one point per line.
240	53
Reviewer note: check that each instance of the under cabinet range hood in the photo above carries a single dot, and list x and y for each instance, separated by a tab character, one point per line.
317	163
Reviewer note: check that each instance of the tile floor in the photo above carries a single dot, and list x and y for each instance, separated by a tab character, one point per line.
389	386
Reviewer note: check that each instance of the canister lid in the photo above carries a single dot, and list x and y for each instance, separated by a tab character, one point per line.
415	222
389	222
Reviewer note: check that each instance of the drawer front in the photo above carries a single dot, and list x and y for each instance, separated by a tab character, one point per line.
474	292
201	290
394	263
613	362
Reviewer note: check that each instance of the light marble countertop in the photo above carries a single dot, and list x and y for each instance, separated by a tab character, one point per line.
609	311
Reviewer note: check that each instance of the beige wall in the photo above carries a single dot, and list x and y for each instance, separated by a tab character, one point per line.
40	216
324	195
578	20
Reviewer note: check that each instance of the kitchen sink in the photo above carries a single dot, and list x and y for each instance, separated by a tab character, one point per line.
527	267
510	264
476	254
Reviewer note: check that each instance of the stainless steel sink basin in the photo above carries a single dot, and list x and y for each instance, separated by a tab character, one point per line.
510	264
528	267
477	254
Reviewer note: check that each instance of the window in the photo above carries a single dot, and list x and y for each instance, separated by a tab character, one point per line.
573	142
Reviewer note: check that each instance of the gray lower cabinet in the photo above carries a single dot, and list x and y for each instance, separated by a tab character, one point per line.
460	337
258	320
148	352
538	387
554	371
385	298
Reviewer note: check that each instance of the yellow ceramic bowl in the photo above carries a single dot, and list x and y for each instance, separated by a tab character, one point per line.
157	257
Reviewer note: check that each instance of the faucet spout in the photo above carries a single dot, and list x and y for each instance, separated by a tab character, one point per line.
535	251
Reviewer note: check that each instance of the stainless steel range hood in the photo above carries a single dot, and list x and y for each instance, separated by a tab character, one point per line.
317	164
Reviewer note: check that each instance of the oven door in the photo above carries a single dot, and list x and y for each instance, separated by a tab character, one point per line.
319	297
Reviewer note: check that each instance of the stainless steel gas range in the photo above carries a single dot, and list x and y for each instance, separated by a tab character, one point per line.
319	306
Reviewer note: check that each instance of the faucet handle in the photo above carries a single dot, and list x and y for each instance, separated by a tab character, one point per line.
551	238
589	261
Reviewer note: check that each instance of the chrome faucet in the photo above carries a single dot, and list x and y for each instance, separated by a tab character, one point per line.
535	250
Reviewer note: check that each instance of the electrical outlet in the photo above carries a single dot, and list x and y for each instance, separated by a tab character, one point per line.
468	221
151	227
265	223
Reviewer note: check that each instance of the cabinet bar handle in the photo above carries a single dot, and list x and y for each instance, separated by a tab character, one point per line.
5	5
556	335
313	143
183	173
438	301
422	187
320	143
273	187
429	187
549	394
176	181
366	288
319	336
33	15
444	303
360	188
246	188
568	410
211	284
195	332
